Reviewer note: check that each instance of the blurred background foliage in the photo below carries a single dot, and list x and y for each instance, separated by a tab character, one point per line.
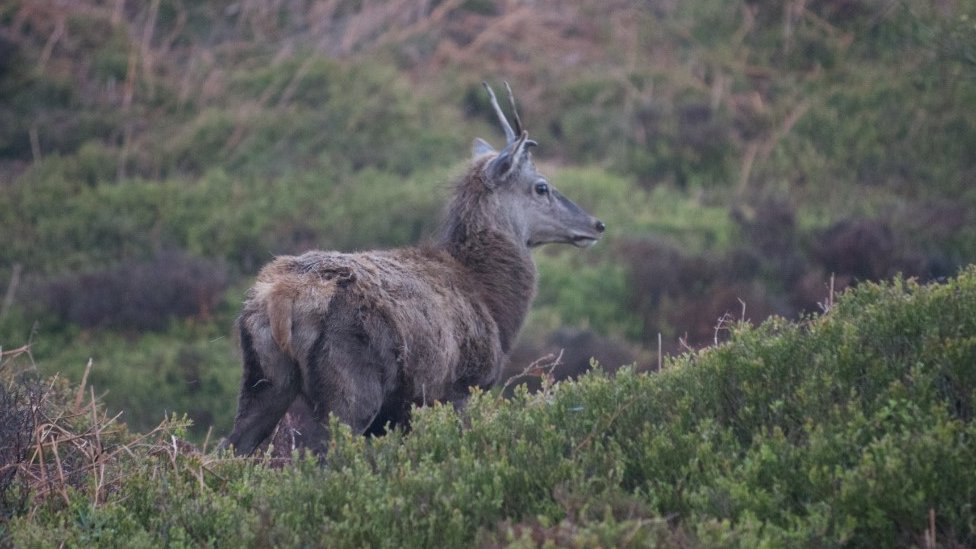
744	154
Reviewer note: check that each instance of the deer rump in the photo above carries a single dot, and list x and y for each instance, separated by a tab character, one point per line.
364	336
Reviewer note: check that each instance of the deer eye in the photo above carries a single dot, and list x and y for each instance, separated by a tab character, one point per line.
541	189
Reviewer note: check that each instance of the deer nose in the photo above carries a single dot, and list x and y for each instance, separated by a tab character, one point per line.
600	227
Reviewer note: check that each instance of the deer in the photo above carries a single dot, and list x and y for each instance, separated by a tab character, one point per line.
366	336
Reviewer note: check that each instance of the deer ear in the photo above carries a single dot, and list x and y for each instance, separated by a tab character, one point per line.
480	147
510	158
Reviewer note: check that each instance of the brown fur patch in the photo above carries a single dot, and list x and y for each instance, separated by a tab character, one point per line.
279	316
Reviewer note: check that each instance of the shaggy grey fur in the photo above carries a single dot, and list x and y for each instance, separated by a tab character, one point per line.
367	335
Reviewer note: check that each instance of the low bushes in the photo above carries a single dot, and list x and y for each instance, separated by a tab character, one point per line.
138	296
855	428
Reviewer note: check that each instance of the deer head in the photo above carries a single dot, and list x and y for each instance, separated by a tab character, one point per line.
528	203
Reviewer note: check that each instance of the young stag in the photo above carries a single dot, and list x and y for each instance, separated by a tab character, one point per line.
367	335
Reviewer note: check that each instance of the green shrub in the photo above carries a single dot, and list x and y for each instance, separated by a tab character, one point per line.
243	220
574	293
310	114
632	212
841	430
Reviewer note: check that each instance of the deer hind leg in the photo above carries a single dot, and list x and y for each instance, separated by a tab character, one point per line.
348	373
271	382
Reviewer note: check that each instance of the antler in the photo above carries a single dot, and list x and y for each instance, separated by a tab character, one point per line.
509	133
511	136
515	115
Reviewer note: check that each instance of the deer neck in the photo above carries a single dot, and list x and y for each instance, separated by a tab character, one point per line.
503	271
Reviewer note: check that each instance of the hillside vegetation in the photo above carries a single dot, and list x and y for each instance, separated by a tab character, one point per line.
749	158
746	156
852	428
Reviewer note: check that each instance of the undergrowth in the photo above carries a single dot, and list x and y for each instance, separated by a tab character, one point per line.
854	428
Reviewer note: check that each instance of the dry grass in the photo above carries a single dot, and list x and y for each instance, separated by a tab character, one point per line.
59	443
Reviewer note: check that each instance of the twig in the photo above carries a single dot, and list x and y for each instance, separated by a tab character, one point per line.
625	542
206	439
178	27
538	368
35	143
794	116
930	534
145	49
792	12
828	303
14	353
745	171
748	23
52	40
96	454
81	388
296	79
38	449
8	296
660	361
722	324
62	483
762	149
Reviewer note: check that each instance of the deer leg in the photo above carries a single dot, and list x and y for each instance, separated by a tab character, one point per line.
343	380
356	402
270	384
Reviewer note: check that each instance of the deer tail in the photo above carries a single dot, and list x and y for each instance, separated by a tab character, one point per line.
280	305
